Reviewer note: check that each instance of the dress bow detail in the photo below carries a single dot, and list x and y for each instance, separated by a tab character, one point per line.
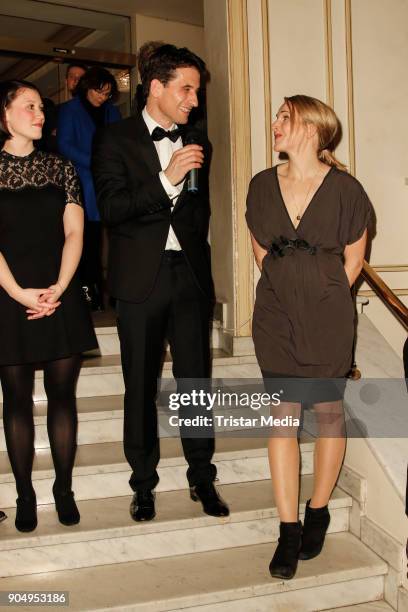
285	246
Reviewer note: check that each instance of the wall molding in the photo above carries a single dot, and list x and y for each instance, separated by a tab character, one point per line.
267	83
329	52
350	88
241	162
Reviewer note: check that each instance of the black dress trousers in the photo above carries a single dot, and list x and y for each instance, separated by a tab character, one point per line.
177	310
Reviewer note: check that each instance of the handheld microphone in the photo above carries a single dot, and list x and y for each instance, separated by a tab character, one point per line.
192	178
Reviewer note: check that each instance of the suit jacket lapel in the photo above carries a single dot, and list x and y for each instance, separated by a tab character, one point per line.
184	192
182	197
146	145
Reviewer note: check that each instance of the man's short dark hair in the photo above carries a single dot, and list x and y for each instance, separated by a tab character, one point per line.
163	61
75	65
96	78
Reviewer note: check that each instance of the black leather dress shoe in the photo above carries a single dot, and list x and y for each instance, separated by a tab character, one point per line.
207	494
142	506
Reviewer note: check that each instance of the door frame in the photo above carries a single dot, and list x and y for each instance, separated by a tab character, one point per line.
86	55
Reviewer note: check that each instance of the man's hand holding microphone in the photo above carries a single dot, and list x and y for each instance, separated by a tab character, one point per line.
186	160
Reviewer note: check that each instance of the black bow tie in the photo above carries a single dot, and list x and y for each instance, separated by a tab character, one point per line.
158	134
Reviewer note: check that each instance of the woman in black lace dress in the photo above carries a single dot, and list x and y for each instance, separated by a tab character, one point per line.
43	318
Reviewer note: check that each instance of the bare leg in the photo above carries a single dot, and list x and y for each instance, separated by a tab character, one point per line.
329	450
283	451
284	465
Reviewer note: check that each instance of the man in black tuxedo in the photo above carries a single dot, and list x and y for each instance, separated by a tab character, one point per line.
159	264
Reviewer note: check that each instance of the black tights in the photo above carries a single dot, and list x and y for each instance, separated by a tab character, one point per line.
60	377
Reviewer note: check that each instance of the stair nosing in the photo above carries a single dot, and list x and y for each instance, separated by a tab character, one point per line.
122	465
370	566
19	541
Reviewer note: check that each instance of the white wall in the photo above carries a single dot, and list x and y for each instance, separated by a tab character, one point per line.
380	58
296	45
218	115
173	32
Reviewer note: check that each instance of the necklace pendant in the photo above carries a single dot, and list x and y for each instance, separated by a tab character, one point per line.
298	218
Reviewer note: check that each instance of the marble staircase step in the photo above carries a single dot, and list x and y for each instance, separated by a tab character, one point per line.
89	408
108	338
372	606
107	534
102	375
345	573
101	470
100	419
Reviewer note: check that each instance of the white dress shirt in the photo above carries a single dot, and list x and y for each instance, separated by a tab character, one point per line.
165	149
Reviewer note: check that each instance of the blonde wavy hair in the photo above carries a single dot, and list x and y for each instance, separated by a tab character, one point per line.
313	111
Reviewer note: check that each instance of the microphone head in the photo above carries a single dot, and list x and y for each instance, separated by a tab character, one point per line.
192	137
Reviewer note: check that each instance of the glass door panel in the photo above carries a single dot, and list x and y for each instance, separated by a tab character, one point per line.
66	26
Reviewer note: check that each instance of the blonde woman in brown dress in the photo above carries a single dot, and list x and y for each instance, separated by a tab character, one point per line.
308	221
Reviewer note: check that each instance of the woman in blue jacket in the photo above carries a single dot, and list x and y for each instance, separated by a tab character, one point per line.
91	108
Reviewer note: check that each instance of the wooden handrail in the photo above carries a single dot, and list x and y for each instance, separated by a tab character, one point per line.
386	295
391	268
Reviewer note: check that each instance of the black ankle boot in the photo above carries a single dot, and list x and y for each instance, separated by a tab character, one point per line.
314	531
26	514
67	510
284	561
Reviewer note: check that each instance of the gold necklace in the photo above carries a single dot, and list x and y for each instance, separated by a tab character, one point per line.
301	209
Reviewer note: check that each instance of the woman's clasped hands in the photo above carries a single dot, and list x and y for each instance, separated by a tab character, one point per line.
40	302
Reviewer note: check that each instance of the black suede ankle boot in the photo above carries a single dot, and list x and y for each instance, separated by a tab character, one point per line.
67	510
315	525
284	561
26	514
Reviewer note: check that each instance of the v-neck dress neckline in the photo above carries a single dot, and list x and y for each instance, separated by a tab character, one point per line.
314	196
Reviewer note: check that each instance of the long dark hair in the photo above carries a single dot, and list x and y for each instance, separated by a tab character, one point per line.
96	78
8	93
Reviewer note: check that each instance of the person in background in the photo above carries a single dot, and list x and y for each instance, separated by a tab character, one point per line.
308	221
48	140
145	51
73	74
159	265
90	109
43	317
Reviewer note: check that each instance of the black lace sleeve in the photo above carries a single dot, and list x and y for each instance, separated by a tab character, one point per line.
72	186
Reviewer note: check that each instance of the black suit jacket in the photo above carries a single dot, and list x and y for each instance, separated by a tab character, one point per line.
137	211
